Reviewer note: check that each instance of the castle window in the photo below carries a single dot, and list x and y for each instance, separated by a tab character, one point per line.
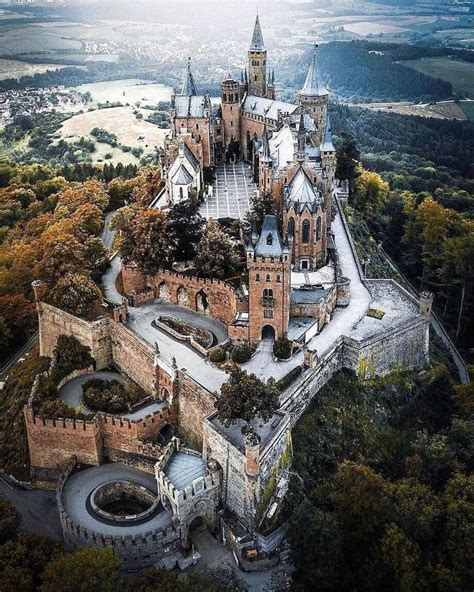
305	231
270	239
225	97
197	125
304	264
268	293
231	107
291	227
257	277
278	278
268	314
181	193
318	228
268	278
231	124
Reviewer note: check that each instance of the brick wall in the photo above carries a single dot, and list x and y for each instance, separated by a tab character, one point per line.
195	403
187	291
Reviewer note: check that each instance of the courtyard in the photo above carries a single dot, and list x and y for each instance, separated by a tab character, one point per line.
232	191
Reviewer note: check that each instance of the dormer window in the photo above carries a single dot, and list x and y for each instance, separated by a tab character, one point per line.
270	239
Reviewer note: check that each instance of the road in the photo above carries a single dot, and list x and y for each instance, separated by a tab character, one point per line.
4	370
37	507
107	234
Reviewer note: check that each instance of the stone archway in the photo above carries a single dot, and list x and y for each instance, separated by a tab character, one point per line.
163	292
202	302
268	332
182	296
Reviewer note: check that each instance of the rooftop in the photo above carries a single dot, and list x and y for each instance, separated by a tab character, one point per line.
257	37
308	295
314	86
269	243
183	468
302	191
191	106
267	107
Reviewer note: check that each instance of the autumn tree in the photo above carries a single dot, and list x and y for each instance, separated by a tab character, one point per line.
217	256
151	248
370	191
245	397
76	293
85	570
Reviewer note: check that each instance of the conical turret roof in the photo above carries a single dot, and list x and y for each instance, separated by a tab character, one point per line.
189	86
257	38
314	85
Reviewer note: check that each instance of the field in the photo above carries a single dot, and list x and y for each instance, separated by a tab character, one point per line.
468	108
127	91
444	110
372	28
459	74
120	121
17	69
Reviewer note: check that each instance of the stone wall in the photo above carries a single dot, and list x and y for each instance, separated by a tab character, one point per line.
133	356
54	322
195	403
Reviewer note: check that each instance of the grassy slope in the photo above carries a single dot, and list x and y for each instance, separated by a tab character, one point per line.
459	74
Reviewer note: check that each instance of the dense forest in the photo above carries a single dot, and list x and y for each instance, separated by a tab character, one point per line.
425	220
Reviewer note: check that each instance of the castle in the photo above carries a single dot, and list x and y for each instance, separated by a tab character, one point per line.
305	283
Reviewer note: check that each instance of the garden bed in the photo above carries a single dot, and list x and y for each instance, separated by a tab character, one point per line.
182	330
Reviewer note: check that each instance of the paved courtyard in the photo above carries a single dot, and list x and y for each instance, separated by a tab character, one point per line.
232	190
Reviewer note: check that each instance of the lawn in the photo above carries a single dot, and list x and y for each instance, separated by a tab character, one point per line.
459	74
468	108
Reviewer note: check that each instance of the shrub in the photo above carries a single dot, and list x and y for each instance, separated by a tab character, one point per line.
110	396
289	378
217	355
241	353
58	408
282	348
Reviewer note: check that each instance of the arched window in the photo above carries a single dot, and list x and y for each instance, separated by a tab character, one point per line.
268	278
257	277
268	293
291	227
225	97
278	278
305	231
318	229
269	239
181	195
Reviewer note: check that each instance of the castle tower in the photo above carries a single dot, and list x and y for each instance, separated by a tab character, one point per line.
230	105
269	266
257	83
314	97
265	176
305	222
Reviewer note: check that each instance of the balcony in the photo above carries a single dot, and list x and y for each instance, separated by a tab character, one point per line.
268	301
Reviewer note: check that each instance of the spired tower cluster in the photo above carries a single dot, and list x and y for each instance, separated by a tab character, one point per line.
289	147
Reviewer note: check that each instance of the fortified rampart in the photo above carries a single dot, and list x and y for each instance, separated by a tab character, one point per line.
137	551
212	297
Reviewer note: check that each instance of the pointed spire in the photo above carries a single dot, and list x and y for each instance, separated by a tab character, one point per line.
189	86
257	38
327	144
314	86
266	156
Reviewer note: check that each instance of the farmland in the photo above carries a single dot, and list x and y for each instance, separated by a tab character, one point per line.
459	74
121	121
127	91
17	69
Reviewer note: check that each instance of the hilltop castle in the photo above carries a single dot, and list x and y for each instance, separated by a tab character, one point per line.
172	455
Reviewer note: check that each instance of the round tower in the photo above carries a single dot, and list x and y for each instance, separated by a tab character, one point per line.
230	104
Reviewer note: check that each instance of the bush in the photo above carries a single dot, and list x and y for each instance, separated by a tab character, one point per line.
282	348
289	378
9	521
241	353
110	396
217	355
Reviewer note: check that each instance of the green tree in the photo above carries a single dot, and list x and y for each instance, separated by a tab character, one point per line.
85	570
9	520
348	156
217	254
185	230
316	545
246	397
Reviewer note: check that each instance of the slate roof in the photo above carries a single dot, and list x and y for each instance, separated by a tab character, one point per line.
182	469
257	37
302	193
306	296
314	86
182	176
267	107
189	86
190	106
327	145
269	243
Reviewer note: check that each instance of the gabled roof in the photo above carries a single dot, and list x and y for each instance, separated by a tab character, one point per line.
267	107
190	106
182	176
314	86
189	86
269	243
301	192
188	154
327	145
257	38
